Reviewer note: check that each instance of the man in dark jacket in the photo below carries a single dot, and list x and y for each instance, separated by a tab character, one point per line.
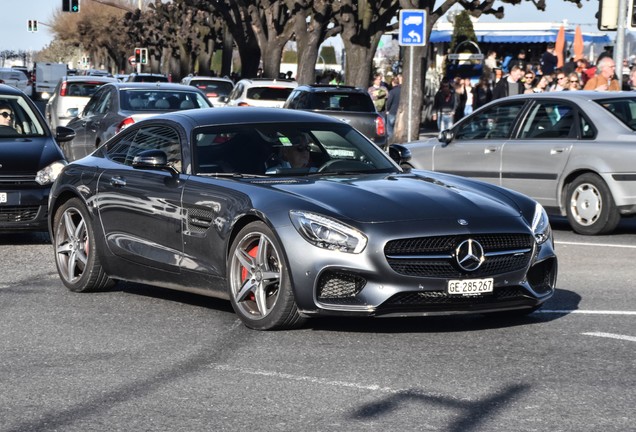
509	85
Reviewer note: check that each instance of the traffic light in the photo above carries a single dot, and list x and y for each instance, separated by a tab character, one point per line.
71	5
144	56
32	25
607	14
137	55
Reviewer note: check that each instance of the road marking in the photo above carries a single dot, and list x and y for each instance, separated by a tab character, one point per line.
588	312
305	378
611	336
595	244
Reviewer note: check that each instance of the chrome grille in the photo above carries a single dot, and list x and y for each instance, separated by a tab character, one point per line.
18	180
18	213
435	256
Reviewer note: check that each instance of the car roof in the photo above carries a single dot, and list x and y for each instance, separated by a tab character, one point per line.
265	82
88	78
242	115
149	86
579	95
328	88
8	90
208	78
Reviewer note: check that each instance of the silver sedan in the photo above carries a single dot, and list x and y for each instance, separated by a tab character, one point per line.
573	152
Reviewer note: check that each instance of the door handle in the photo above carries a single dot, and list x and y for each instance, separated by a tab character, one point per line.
490	150
117	181
556	151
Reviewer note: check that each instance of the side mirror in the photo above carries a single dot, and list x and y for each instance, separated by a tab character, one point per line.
64	134
154	159
445	137
223	99
399	153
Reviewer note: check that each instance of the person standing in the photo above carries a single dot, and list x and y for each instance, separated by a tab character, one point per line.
378	92
561	82
549	60
444	106
482	93
510	85
604	80
392	104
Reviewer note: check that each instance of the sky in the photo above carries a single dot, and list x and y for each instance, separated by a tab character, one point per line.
16	13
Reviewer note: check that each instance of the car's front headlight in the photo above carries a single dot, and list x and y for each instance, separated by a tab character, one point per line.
49	174
541	225
328	233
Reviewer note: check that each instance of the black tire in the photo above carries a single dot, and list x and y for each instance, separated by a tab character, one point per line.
590	207
258	281
76	257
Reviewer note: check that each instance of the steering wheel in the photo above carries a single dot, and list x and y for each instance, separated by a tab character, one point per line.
342	165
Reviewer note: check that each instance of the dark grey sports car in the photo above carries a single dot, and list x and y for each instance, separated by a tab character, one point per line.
289	215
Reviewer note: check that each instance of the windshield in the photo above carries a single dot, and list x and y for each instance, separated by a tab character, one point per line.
162	100
213	88
624	109
17	118
286	149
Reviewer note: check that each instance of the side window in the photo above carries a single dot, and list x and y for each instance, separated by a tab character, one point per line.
151	137
494	123
92	104
104	103
587	130
550	120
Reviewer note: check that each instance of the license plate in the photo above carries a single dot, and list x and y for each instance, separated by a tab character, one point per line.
3	197
469	287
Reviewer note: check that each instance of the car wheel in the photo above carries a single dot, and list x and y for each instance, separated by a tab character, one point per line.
590	206
75	253
259	282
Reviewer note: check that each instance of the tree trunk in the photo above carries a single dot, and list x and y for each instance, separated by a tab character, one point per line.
411	96
359	63
226	56
271	55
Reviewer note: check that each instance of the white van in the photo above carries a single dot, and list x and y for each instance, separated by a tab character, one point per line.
46	76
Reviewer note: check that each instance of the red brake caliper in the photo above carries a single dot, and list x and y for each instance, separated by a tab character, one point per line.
252	252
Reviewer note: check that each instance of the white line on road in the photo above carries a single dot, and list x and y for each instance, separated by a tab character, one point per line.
611	336
595	244
589	312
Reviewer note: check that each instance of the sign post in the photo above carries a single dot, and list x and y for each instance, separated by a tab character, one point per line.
412	32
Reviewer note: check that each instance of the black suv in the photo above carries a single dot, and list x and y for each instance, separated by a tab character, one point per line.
350	104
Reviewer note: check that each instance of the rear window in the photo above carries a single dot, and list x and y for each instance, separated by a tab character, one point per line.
83	89
149	78
357	102
213	88
154	100
269	93
622	109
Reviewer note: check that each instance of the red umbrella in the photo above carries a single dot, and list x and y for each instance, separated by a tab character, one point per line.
559	46
577	45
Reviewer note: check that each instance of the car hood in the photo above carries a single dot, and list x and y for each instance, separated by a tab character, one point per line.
401	197
27	155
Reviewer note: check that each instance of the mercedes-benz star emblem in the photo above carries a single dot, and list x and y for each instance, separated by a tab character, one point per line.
469	255
462	222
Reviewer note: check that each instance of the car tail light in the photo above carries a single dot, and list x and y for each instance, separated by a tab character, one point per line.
243	104
212	95
380	128
124	124
63	89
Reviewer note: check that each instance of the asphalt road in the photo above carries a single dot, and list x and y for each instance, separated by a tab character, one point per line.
145	359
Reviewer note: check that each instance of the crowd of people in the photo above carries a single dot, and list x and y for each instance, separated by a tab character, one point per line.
458	97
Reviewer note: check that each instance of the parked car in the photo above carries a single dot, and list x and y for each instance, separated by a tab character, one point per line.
215	88
571	151
349	104
16	79
260	92
117	105
186	201
70	97
146	77
30	161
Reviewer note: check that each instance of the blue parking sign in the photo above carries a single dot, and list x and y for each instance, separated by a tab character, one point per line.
412	27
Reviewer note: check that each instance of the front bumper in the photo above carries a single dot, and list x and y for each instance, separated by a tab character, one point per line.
25	209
